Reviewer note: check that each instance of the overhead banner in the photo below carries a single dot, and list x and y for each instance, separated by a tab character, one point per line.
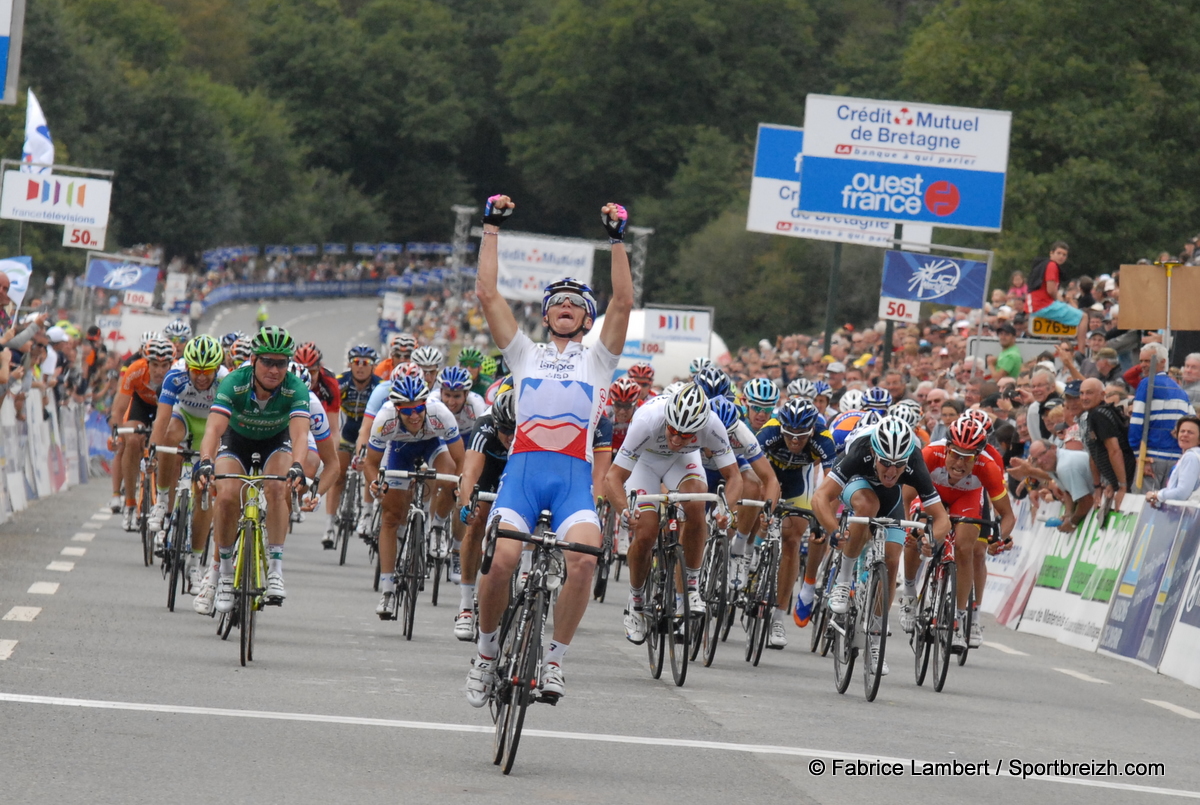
775	196
678	324
116	274
528	265
62	200
933	278
905	162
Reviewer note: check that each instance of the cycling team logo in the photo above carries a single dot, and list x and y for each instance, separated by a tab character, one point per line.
935	279
122	276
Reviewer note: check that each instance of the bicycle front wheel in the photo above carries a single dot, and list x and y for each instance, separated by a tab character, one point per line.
144	521
181	547
655	612
875	618
766	600
413	571
714	581
246	592
503	692
922	637
679	624
943	629
530	659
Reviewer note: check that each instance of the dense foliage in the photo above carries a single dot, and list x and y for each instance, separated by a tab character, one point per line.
305	120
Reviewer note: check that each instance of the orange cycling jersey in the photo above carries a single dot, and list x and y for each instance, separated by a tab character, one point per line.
383	369
136	382
965	498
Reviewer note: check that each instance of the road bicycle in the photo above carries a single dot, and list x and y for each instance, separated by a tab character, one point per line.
519	665
145	497
250	561
820	637
863	628
177	548
348	511
714	584
478	496
666	610
412	553
608	544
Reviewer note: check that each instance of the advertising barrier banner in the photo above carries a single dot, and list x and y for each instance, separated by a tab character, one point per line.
1183	647
1138	589
528	265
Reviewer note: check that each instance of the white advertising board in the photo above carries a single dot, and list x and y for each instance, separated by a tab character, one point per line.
63	200
529	264
677	324
84	237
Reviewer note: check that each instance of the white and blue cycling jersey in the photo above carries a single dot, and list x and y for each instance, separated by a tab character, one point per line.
179	392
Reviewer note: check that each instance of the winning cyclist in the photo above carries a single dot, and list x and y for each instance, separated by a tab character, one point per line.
662	448
260	408
560	389
963	472
183	406
414	429
868	479
136	403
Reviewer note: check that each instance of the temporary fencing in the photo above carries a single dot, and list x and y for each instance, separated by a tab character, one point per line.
43	453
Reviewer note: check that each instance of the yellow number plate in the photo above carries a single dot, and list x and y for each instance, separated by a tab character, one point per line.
1051	329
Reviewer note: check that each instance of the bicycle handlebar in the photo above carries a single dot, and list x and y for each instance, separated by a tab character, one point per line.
418	475
174	451
680	497
136	429
885	521
549	541
992	527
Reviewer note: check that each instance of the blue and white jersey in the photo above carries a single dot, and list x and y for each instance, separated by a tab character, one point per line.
318	421
473	408
438	424
179	391
378	397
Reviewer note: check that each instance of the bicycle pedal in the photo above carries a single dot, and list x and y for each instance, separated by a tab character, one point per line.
548	698
272	602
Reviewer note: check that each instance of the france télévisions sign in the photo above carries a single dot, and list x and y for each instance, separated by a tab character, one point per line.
55	199
775	190
905	162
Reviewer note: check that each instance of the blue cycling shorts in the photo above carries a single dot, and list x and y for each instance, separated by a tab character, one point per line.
891	503
555	482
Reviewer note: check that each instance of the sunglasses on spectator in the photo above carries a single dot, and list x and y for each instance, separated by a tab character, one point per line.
411	410
274	363
567	298
687	437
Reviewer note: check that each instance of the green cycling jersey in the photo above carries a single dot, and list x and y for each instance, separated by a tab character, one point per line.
255	419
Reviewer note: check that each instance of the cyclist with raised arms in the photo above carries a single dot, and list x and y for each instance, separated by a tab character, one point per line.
183	404
799	448
260	408
136	403
963	473
560	388
663	448
356	385
868	479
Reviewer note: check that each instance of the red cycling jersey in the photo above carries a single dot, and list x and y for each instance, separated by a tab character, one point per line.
965	498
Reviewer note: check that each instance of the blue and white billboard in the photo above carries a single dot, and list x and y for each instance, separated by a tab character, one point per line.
12	24
775	192
932	278
905	162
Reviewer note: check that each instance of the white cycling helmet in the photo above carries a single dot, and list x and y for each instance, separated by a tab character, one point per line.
851	401
698	365
892	439
670	390
908	410
687	409
428	357
802	387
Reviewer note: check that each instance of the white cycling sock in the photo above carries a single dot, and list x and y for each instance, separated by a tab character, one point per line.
910	587
489	644
807	593
737	547
692	577
275	559
778	615
226	562
439	521
555	652
846	570
329	524
466	594
636	596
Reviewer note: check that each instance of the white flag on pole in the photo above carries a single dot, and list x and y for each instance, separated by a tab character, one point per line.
39	147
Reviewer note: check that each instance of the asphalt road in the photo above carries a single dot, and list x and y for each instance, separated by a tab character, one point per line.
107	697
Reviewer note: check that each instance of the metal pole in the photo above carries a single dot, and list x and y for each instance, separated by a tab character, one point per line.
462	230
987	285
637	260
829	300
888	334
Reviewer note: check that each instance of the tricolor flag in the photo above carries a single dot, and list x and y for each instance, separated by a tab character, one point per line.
39	146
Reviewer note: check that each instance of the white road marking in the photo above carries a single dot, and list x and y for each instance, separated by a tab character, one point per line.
92	526
83	536
102	516
24	614
1004	648
1174	708
1081	676
6	648
61	567
43	588
637	740
70	551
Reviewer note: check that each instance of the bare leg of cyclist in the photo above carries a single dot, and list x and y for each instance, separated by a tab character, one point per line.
641	548
492	590
471	552
891	555
789	563
118	464
964	551
135	444
576	592
747	516
395	504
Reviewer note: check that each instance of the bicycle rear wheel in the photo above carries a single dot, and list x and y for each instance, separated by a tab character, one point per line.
943	629
714	580
180	548
144	521
679	621
529	660
843	649
922	638
875	618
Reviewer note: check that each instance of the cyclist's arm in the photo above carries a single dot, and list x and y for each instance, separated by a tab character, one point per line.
1003	507
472	468
616	316
331	468
214	429
162	421
766	477
298	432
601	461
941	520
364	433
616	478
371	466
733	481
457	452
500	319
825	503
120	407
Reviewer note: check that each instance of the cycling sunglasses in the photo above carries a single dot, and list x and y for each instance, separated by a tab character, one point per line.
963	453
892	464
411	410
791	434
687	437
274	363
361	362
762	409
567	298
203	372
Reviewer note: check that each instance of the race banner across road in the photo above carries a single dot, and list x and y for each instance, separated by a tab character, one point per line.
528	265
905	162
